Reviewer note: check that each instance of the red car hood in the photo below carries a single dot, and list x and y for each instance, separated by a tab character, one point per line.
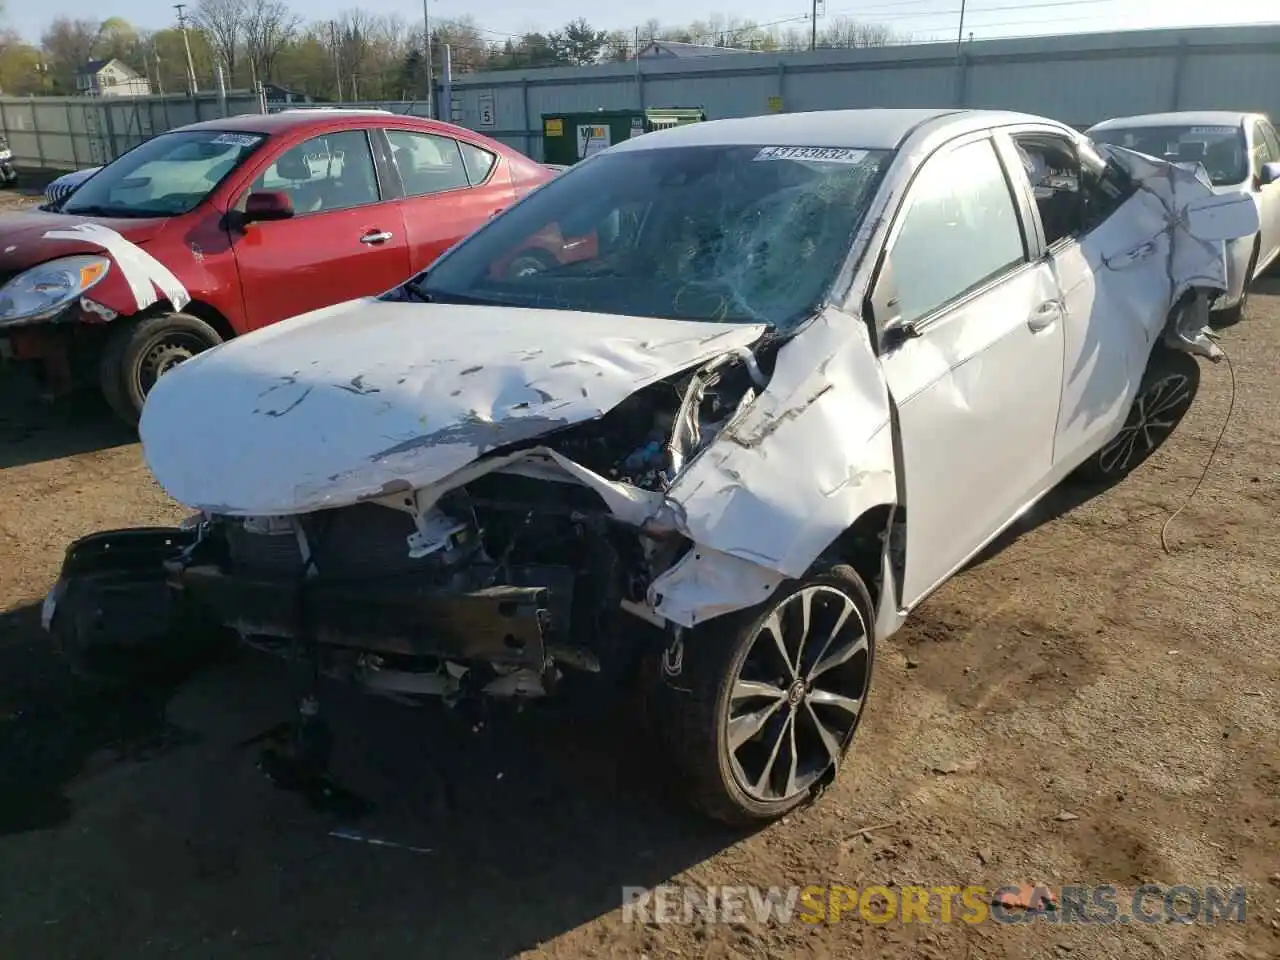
22	242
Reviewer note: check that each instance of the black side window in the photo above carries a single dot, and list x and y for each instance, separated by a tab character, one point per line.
1053	168
478	161
427	163
333	171
1267	134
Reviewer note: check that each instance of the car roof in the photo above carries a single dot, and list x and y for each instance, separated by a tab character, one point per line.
1194	118
287	121
879	129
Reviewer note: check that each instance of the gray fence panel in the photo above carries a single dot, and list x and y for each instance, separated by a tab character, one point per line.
885	86
20	128
1233	81
68	133
1081	92
734	96
1079	79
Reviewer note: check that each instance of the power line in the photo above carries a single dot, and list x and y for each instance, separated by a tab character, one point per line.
977	11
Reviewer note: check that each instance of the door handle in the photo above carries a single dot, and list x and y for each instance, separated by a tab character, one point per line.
1045	316
496	212
377	236
1137	254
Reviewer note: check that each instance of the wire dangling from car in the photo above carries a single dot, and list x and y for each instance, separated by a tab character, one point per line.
1231	405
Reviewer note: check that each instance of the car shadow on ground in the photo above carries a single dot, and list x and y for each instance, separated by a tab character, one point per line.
33	430
1058	502
481	839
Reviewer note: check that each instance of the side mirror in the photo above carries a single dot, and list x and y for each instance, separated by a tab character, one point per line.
1270	174
885	309
265	205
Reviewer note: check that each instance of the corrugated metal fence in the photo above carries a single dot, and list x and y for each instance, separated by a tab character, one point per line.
68	133
1077	79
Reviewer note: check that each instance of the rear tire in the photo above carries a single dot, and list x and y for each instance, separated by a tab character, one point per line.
139	352
1167	390
811	704
528	263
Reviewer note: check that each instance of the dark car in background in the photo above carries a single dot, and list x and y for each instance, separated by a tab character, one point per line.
8	175
214	229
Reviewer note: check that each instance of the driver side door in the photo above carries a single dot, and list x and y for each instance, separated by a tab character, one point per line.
346	238
972	357
1267	150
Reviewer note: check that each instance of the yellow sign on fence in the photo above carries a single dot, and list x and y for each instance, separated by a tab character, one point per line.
775	104
553	128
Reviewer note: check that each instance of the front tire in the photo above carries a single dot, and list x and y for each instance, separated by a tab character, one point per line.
766	702
1235	313
140	352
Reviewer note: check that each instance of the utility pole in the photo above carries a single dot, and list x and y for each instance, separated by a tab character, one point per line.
337	68
960	32
426	39
155	54
191	67
813	26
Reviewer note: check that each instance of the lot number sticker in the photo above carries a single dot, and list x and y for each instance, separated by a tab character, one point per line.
813	154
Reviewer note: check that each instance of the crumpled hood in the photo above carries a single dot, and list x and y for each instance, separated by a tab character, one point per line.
23	244
372	397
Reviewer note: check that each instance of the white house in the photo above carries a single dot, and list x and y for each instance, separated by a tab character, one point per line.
111	78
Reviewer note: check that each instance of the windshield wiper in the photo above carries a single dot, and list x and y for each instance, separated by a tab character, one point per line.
415	292
126	213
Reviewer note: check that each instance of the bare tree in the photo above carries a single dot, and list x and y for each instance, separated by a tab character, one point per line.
467	48
269	26
356	30
69	44
843	32
224	23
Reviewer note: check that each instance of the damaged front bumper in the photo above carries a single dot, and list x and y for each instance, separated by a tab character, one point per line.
140	587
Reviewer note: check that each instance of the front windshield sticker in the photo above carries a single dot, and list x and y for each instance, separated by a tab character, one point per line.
1215	130
237	139
819	154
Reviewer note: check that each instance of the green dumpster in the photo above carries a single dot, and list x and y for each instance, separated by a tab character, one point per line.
570	137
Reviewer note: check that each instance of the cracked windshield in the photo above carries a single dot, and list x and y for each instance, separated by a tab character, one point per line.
737	234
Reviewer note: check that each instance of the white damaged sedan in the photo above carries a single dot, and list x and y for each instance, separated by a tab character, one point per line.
782	377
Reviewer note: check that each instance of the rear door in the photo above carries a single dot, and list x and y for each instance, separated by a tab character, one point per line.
450	188
345	239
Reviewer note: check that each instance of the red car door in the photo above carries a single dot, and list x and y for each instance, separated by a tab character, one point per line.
451	187
345	239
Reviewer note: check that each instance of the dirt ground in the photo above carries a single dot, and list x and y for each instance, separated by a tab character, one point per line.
1080	707
27	192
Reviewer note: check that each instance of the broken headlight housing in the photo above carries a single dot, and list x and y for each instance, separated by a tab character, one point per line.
44	291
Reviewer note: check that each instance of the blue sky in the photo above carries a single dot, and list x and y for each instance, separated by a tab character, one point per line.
920	18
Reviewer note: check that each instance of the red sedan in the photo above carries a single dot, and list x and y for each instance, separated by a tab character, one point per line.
217	228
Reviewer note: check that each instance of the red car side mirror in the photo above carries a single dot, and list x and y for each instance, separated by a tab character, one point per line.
267	205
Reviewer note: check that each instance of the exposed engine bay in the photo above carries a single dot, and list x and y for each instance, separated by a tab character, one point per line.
502	582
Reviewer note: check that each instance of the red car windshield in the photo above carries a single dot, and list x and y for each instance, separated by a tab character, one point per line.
166	176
